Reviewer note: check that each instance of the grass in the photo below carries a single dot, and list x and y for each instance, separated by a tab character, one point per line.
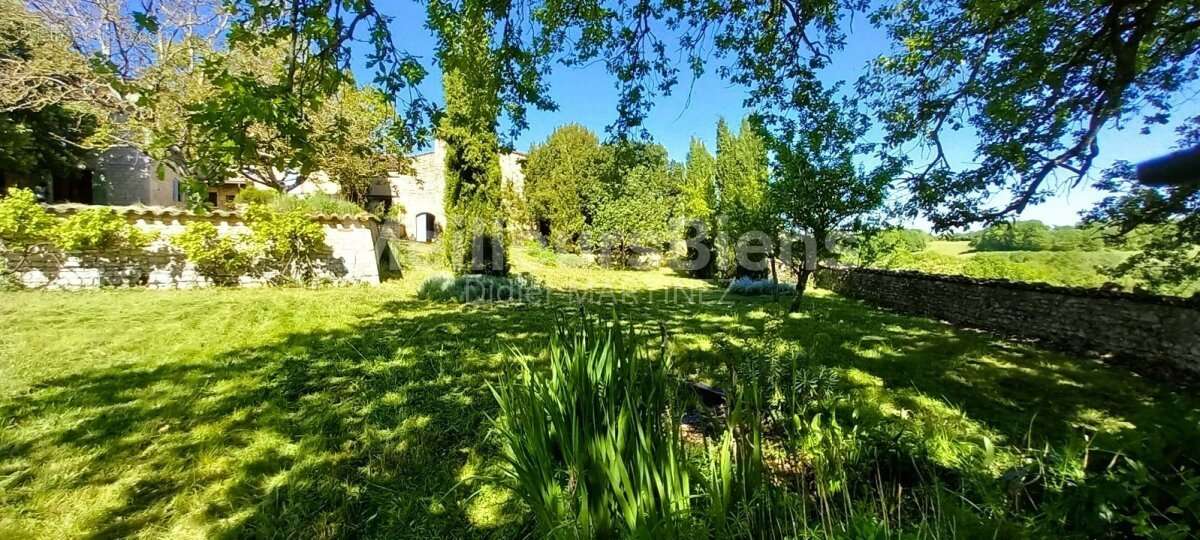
949	247
364	411
1063	268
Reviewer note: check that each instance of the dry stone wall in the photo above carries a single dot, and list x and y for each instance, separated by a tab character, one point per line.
351	258
1162	331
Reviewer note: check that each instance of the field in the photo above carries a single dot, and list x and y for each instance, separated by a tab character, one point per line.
365	411
1064	268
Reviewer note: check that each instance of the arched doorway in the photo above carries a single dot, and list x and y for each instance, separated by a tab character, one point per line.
427	228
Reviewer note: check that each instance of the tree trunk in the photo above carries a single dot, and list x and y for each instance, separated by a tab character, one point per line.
801	284
774	282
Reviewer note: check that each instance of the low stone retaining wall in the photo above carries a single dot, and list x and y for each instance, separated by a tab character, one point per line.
352	256
1161	330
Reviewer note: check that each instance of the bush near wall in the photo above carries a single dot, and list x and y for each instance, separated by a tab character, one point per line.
28	230
98	246
222	259
98	229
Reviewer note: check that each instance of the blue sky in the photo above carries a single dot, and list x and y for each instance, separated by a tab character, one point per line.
588	96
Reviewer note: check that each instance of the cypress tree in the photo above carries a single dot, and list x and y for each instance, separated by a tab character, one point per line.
475	237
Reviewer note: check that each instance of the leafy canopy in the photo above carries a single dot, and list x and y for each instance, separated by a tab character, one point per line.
1036	82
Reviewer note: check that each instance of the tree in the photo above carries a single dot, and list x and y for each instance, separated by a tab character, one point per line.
312	40
699	186
49	98
267	119
741	171
144	74
637	203
475	235
636	219
44	144
562	184
818	188
1166	221
1035	81
698	208
131	39
1018	236
773	48
40	68
357	144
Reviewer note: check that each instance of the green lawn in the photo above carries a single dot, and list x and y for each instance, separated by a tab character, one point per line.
1063	268
364	411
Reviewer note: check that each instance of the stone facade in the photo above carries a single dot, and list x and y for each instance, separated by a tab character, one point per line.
1163	331
126	176
352	257
423	192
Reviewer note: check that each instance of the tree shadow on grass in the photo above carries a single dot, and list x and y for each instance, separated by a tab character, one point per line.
379	429
1023	394
362	431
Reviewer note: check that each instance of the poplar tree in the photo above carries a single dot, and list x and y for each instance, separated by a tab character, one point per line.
741	172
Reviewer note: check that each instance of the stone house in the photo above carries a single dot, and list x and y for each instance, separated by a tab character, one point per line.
124	176
422	193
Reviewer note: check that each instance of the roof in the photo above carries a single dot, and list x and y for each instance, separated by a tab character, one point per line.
172	211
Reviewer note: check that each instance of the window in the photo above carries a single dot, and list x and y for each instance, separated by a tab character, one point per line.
176	191
212	198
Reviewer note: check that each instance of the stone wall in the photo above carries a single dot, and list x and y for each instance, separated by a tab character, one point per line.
1163	331
352	255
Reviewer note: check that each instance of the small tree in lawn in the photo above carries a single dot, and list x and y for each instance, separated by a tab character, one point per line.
637	218
817	188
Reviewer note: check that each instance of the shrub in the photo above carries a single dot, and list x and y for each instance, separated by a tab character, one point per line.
542	254
396	212
883	244
222	259
747	286
251	196
24	224
478	288
311	204
99	229
593	448
1035	236
1019	236
316	203
288	245
930	263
